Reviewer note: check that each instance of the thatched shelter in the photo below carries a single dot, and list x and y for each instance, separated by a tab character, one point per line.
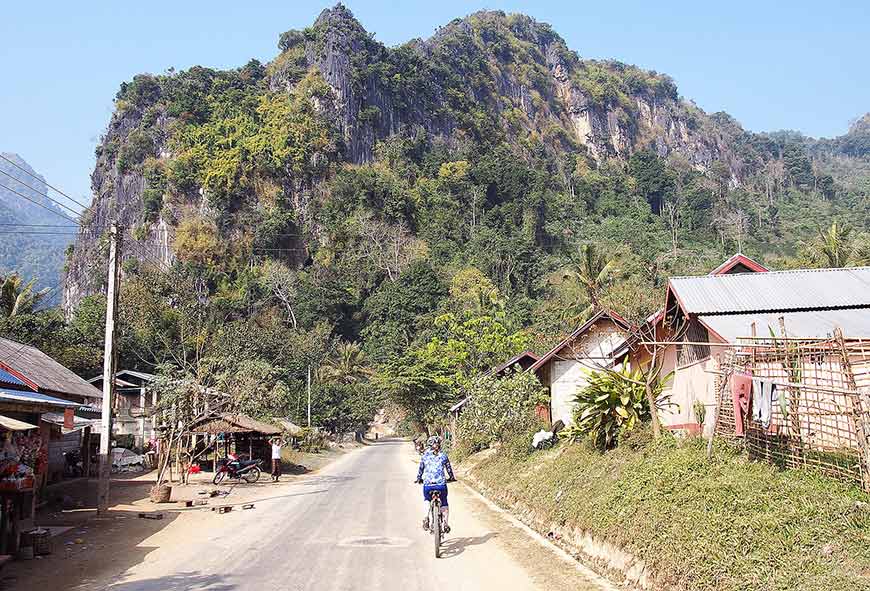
233	423
236	430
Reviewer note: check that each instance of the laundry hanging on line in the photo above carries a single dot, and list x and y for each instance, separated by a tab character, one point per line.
764	396
741	394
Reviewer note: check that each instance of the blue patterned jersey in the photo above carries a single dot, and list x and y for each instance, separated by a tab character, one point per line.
434	468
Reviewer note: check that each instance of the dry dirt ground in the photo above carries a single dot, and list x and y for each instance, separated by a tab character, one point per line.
96	546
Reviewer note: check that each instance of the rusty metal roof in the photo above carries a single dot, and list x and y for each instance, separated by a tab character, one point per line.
34	398
42	372
803	289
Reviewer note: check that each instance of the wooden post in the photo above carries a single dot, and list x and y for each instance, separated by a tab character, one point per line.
109	370
860	411
796	441
86	452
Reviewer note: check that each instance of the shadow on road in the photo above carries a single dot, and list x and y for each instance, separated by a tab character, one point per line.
190	581
455	546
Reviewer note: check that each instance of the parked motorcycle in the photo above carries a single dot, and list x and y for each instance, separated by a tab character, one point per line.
234	468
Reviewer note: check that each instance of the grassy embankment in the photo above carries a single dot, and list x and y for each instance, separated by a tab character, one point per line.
725	524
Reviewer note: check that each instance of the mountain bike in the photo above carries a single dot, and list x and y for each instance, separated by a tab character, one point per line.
436	522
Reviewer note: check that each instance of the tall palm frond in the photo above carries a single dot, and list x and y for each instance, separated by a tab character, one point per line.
348	365
593	270
18	298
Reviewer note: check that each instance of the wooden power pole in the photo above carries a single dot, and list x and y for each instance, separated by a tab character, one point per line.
309	395
109	370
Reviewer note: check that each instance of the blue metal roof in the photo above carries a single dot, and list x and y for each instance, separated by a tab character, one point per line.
25	396
8	378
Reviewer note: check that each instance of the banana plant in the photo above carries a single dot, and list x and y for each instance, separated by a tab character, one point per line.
609	403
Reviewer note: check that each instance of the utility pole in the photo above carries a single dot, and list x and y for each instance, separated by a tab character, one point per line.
309	395
109	370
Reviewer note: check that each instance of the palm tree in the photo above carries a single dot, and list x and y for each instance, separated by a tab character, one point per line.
347	366
17	299
832	247
593	271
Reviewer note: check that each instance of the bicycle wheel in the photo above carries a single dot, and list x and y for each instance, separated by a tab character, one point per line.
436	528
219	477
252	476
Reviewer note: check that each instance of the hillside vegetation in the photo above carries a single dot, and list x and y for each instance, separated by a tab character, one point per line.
723	523
439	205
36	253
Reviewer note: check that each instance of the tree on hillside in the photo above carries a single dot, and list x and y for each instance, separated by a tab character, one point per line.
798	166
17	297
594	271
347	365
284	286
654	181
835	247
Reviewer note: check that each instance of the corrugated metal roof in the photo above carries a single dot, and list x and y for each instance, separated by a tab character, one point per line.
10	395
739	260
854	323
8	378
42	370
11	424
804	289
618	320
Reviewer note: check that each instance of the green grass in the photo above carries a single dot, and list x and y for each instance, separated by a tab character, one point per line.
699	524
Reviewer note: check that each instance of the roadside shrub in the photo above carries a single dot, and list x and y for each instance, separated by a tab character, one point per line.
498	407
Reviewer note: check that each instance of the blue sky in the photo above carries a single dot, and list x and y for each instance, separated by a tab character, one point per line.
772	65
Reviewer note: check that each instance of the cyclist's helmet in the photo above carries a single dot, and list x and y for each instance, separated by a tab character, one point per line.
433	441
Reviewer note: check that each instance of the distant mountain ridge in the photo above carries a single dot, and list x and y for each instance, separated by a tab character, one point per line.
32	252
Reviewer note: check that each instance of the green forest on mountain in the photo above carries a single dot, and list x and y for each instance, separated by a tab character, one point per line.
475	229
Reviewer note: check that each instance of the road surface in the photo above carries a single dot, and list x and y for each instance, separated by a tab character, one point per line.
355	525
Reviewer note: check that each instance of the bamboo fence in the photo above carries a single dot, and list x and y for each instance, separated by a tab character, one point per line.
821	419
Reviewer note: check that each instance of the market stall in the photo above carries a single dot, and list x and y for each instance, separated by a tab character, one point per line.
24	442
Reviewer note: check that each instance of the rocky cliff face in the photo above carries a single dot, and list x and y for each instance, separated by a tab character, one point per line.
490	78
615	124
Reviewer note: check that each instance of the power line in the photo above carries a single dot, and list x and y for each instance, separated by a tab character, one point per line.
35	190
47	296
47	208
39	225
39	233
15	164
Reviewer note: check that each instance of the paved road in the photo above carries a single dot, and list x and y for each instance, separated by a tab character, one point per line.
356	526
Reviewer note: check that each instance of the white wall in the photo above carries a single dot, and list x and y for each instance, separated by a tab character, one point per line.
569	369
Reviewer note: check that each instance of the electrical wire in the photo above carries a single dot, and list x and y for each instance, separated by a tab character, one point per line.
29	233
39	225
24	170
35	190
47	295
47	208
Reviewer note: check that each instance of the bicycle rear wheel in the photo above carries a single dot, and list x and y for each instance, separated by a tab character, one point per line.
436	528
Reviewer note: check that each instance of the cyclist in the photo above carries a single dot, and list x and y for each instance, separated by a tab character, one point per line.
434	473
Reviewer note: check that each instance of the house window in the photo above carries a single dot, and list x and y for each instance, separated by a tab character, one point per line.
691	351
